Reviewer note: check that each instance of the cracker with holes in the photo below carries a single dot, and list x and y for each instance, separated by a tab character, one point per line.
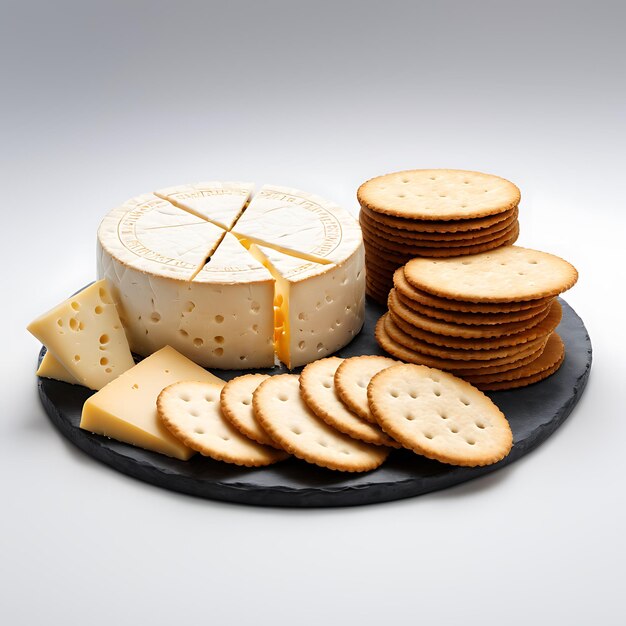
507	274
438	194
317	387
191	412
236	404
439	416
282	412
352	378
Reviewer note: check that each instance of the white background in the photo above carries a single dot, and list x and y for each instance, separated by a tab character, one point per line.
102	101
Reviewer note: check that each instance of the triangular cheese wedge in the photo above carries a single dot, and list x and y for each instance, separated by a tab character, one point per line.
51	368
299	224
311	298
85	335
218	202
126	408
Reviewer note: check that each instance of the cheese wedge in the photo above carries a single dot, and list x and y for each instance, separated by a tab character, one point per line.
125	409
51	368
318	308
85	335
219	202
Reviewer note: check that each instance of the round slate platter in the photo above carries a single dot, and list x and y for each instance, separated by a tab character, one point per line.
534	412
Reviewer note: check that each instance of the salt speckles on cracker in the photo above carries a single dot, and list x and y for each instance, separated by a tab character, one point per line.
439	416
283	413
191	412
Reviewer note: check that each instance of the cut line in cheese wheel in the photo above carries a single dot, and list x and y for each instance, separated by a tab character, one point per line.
300	224
219	202
318	308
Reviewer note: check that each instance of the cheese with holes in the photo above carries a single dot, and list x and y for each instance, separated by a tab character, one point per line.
85	335
179	278
219	202
125	409
51	368
318	307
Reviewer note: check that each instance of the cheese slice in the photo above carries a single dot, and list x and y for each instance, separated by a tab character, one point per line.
126	408
150	234
318	307
51	368
85	335
299	224
218	202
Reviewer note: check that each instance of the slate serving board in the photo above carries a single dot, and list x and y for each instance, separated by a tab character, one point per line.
534	413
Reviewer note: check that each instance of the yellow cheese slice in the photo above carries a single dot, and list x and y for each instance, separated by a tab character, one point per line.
125	409
51	368
85	335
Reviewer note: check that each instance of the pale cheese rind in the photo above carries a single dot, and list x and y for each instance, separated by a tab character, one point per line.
219	202
85	335
126	410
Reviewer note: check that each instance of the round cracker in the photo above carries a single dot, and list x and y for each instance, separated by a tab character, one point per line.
543	366
398	242
352	378
506	274
317	388
405	289
472	319
438	234
282	412
402	251
439	416
191	412
236	405
385	334
541	329
463	354
438	194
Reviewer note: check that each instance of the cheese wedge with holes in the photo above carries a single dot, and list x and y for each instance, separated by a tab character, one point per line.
219	202
318	308
125	409
85	335
51	368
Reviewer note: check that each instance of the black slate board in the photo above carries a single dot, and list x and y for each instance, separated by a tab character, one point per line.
534	413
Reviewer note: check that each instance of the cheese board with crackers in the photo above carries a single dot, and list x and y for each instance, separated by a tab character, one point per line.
265	348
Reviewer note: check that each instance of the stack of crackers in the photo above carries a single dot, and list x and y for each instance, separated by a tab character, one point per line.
489	318
341	414
432	213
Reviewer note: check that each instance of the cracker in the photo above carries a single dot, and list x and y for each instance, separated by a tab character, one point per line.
283	413
436	226
439	416
472	319
463	354
385	335
317	388
439	194
397	242
406	290
236	404
191	412
507	274
543	366
399	251
438	234
352	378
541	329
